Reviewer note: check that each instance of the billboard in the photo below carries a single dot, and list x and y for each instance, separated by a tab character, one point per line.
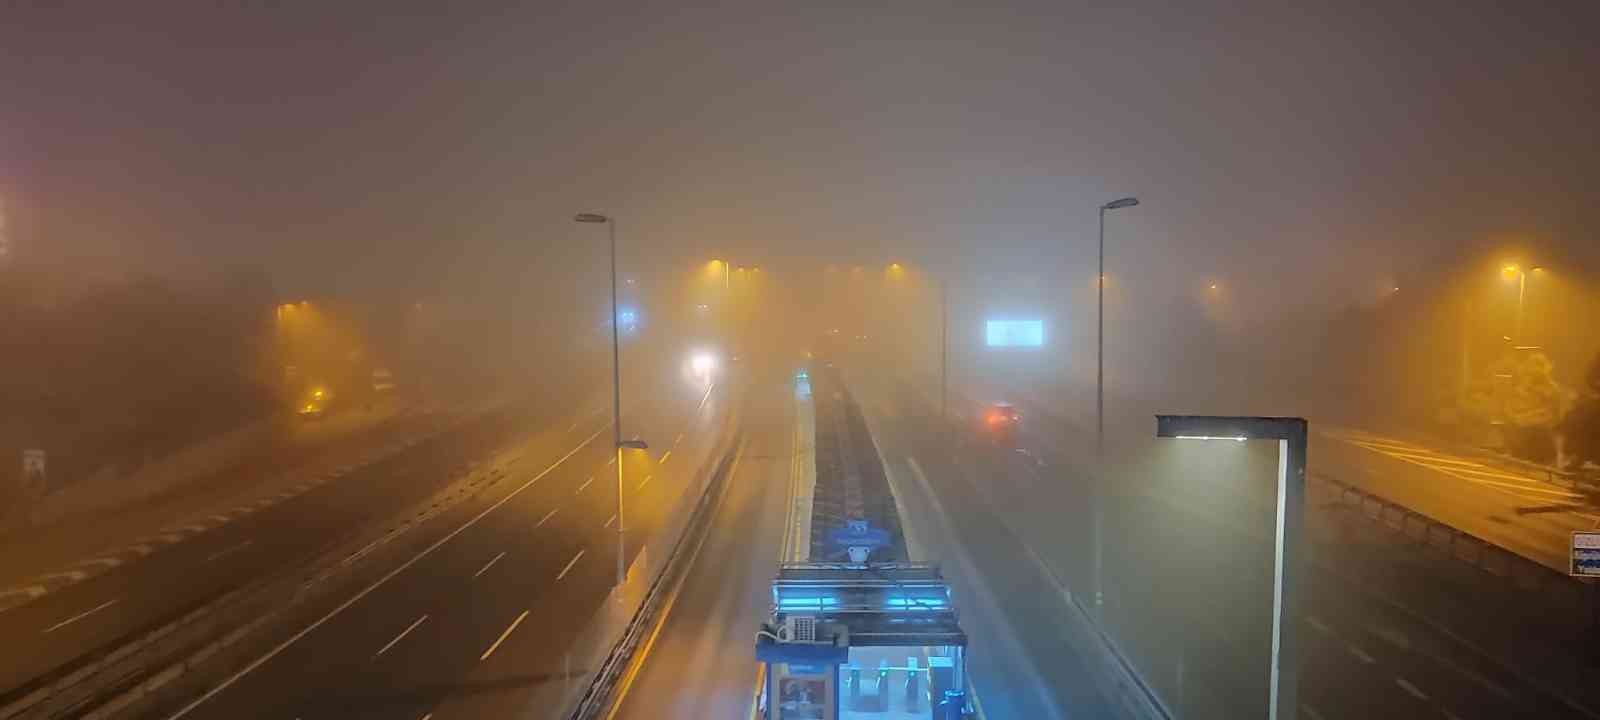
1014	333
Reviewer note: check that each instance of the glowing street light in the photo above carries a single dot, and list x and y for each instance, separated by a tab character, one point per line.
1291	436
1515	272
702	364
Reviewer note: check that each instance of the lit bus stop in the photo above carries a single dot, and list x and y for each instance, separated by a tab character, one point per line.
856	642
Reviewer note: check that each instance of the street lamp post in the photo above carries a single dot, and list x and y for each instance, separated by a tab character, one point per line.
1291	436
1100	329
1096	502
616	388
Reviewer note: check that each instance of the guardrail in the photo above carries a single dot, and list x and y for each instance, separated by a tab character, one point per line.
1557	590
604	649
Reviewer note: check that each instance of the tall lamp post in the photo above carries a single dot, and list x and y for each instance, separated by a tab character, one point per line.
1100	329
1096	502
1291	436
616	388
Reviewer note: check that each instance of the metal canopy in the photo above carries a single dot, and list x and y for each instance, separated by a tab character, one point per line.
881	605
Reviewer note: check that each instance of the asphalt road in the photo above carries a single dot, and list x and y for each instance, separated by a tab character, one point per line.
1186	577
512	573
701	662
162	580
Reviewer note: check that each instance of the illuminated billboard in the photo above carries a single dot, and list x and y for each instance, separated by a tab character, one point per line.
1014	333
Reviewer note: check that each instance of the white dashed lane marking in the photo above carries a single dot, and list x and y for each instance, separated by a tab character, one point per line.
80	616
1360	654
570	563
489	564
1408	687
503	636
224	553
546	518
401	636
585	485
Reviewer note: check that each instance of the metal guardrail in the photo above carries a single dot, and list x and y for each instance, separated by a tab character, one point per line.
1421	530
596	697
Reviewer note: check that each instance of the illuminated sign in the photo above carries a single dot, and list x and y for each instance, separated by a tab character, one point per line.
1014	333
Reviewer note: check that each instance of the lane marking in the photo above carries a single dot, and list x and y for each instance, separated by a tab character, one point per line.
573	426
585	485
678	440
664	457
1315	623
1408	687
642	482
81	616
755	694
489	564
1311	712
228	551
503	636
568	568
1359	653
612	519
546	518
280	647
401	636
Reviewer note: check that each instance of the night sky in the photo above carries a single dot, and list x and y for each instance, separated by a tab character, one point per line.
364	146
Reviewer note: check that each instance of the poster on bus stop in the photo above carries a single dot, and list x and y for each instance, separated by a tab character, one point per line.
1585	553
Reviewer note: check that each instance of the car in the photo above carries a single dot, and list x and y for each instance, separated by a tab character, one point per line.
1000	423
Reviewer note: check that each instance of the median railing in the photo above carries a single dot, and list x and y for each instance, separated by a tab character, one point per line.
596	661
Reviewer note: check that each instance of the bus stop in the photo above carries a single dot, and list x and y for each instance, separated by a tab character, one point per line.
850	641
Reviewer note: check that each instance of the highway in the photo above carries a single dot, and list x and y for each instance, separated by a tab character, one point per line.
150	579
1186	576
512	573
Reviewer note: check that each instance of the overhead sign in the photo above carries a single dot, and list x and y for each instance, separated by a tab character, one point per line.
1014	333
1585	553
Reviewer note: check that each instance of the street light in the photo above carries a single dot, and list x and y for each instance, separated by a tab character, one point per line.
1291	436
1515	271
1100	329
616	386
1096	513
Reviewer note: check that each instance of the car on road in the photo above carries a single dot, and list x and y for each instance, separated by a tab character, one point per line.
1000	423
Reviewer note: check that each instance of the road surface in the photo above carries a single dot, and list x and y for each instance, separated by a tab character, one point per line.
512	574
1186	578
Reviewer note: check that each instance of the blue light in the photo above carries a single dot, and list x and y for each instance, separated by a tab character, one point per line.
1014	333
627	317
819	603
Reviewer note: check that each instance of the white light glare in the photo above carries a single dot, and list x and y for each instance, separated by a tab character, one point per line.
703	363
1209	437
